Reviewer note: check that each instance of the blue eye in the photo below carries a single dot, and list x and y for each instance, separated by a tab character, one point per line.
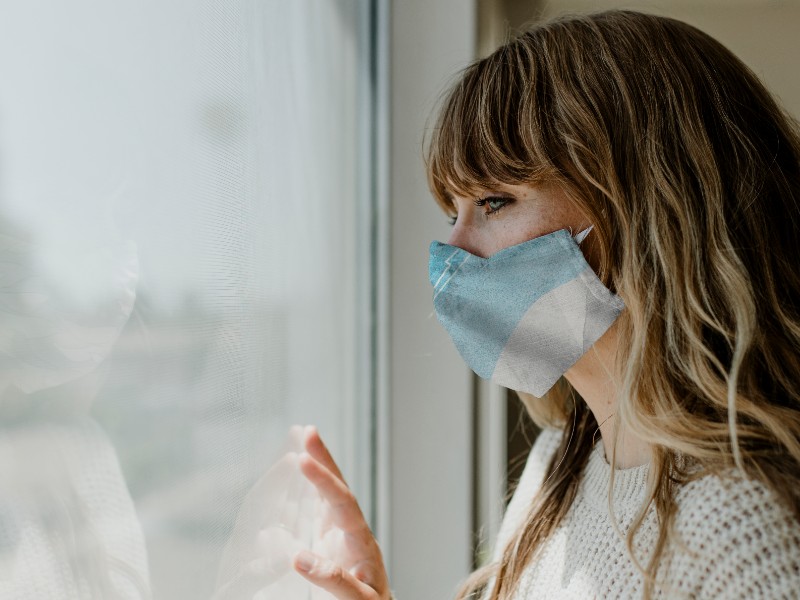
452	220
493	203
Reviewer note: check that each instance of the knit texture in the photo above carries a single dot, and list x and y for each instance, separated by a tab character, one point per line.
68	526
736	541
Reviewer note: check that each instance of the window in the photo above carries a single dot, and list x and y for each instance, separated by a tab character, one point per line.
185	271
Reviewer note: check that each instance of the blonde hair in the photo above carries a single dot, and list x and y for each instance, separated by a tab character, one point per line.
690	172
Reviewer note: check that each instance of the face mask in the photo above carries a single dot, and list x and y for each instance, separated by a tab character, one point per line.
526	314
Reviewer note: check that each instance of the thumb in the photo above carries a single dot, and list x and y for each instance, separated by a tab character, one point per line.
332	577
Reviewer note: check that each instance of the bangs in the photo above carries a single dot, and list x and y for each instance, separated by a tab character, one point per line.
487	131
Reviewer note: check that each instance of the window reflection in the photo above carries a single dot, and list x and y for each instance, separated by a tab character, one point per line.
67	521
178	281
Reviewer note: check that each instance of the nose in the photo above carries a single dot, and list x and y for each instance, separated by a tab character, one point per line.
465	237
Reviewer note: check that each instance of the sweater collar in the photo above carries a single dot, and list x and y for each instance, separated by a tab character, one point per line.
629	484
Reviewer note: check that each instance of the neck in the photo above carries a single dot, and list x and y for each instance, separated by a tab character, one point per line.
593	378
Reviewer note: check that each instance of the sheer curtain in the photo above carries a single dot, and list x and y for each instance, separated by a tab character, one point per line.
184	274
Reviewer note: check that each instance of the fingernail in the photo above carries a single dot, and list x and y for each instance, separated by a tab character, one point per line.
305	561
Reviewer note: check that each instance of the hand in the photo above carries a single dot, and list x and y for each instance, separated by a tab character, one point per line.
348	562
278	518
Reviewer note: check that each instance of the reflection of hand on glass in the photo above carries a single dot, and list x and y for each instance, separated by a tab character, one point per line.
285	519
276	519
348	562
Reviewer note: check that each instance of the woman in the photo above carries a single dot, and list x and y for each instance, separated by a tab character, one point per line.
645	146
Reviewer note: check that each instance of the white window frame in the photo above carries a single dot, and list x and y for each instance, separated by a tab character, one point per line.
424	501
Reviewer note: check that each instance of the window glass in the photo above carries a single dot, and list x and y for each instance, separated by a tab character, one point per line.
183	275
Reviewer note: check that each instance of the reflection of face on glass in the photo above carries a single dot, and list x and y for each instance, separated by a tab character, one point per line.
67	523
49	335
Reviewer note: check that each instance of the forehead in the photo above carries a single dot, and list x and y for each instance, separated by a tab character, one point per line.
482	139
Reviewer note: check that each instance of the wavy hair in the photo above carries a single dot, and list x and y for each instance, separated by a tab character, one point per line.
690	171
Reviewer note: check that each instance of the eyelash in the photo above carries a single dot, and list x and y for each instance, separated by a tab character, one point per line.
483	202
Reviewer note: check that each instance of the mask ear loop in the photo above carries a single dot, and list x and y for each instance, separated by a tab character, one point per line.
580	236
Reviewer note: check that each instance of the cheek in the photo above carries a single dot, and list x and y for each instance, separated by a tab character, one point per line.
522	230
539	220
511	233
518	226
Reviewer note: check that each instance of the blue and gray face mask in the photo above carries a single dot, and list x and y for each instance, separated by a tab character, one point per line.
526	314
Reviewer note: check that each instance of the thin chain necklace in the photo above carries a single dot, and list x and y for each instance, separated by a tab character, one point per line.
594	436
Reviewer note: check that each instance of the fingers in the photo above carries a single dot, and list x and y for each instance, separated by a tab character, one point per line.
345	511
268	496
332	577
316	448
288	513
294	439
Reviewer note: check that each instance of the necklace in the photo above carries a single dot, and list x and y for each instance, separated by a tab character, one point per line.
594	436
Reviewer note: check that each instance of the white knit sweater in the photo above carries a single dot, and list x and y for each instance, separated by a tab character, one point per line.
739	543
